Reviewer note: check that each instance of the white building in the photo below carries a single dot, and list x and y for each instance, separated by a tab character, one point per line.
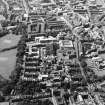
4	103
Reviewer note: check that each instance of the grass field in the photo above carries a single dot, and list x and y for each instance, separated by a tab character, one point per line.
7	62
8	58
8	41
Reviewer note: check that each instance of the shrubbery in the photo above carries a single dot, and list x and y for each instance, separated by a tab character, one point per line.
20	54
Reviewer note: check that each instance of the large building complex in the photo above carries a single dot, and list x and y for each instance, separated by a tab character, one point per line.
60	55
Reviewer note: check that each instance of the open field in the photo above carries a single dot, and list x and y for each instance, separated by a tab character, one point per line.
9	41
8	58
7	62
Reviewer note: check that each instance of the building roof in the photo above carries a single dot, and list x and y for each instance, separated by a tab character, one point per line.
4	103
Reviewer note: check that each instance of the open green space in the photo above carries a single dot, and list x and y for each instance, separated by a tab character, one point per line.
8	58
9	41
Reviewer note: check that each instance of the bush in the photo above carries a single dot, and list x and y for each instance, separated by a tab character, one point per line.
83	64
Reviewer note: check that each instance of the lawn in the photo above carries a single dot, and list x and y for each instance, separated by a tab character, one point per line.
9	41
8	58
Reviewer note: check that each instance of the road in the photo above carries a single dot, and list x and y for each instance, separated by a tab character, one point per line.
82	72
25	6
76	48
7	6
54	100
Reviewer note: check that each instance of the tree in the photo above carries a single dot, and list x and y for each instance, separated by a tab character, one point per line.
55	48
7	89
83	64
47	102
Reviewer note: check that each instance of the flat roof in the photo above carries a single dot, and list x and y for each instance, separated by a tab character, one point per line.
4	103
